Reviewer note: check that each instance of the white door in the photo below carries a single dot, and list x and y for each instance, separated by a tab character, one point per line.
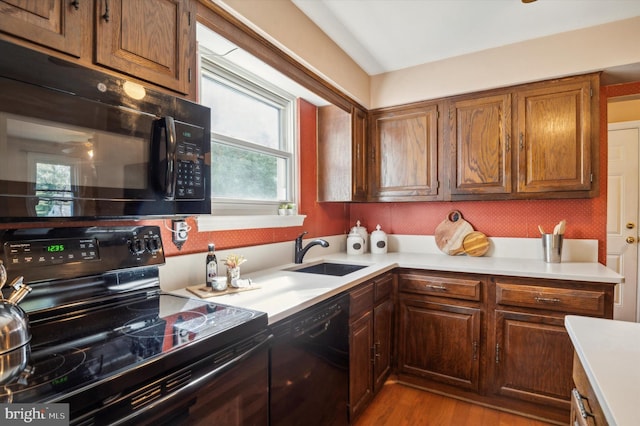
622	215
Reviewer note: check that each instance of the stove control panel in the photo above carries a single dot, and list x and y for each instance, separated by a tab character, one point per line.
51	252
38	253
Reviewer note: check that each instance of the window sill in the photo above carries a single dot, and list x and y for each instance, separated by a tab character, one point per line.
228	223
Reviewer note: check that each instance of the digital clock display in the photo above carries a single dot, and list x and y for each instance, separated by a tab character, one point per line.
54	248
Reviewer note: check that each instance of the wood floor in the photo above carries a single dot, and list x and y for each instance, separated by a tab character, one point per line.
400	405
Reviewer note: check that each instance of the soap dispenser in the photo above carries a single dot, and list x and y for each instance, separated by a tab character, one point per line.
378	241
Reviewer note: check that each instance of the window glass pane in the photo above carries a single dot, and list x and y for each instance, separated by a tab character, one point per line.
238	115
247	175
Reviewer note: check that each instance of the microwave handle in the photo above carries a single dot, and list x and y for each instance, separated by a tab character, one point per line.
167	134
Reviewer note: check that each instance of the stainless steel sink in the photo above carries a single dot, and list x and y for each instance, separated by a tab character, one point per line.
327	268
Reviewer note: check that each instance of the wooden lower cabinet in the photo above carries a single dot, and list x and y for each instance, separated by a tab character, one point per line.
439	341
532	358
370	340
498	341
360	371
382	339
585	408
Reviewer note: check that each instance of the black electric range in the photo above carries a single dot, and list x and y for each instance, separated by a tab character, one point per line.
102	329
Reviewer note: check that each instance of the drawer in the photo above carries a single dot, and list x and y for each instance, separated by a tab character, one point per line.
383	287
361	300
550	298
456	288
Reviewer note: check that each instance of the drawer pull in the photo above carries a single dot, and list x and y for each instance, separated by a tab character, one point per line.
547	299
438	287
578	398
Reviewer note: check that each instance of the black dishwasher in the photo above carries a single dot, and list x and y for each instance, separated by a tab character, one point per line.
310	366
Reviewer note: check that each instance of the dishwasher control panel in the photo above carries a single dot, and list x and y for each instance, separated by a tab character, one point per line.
316	319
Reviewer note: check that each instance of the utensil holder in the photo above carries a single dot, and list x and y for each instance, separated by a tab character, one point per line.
552	247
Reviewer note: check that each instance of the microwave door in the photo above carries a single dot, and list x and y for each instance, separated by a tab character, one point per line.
163	161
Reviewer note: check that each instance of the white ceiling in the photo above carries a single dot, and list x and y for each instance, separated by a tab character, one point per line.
387	35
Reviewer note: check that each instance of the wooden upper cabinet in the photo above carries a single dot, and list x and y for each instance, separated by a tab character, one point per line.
153	40
404	163
341	154
537	140
554	131
56	24
479	140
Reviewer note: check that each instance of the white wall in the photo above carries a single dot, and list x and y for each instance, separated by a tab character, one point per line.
575	52
283	24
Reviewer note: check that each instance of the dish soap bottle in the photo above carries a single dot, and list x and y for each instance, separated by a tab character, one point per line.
212	267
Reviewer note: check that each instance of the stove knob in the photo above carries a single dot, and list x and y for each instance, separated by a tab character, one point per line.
154	244
136	246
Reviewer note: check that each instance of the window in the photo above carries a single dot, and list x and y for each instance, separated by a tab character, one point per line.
253	167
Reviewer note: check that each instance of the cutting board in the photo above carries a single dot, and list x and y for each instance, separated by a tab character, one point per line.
205	292
475	244
450	233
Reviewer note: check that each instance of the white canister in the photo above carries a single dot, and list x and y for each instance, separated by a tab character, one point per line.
378	241
355	243
363	233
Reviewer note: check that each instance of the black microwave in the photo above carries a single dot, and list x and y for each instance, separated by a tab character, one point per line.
82	144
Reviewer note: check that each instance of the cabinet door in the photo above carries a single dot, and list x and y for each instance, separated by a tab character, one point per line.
554	137
56	24
532	358
382	329
147	39
440	342
480	134
360	364
405	154
341	154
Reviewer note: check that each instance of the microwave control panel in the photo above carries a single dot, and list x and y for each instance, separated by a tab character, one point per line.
190	162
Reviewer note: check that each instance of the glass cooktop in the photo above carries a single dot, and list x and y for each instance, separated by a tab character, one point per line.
72	352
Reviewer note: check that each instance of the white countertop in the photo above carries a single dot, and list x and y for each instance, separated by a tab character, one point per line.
610	354
283	292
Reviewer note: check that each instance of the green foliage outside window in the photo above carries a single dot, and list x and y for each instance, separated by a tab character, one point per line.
241	173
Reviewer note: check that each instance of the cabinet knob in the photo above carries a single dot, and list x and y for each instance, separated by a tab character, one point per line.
630	240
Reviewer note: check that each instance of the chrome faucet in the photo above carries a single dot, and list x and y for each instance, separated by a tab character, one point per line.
300	252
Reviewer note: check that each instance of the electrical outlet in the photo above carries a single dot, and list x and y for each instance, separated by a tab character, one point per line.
180	232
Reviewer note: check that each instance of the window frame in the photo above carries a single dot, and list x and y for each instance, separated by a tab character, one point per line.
228	74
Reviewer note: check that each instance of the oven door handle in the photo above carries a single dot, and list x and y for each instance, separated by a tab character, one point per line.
195	384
